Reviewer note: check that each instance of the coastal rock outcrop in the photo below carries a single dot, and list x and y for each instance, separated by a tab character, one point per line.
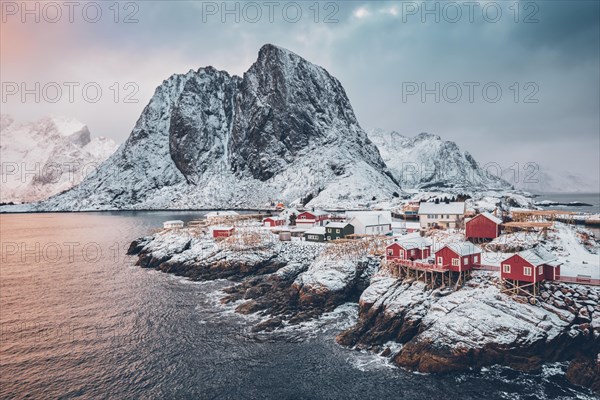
476	326
284	281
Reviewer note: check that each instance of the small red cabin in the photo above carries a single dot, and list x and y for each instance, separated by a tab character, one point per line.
412	249
531	266
222	231
312	218
458	257
483	226
273	221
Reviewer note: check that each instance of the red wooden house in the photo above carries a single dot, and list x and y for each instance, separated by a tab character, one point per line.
273	221
415	248
308	219
222	231
458	257
532	266
483	226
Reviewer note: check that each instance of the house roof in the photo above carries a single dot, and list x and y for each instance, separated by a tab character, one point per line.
415	242
316	213
538	256
371	219
463	248
386	213
222	228
489	216
455	208
277	218
337	225
317	230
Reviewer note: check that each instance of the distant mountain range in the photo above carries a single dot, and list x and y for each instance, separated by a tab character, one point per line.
285	131
46	157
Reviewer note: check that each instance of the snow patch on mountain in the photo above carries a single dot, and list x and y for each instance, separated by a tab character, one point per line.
46	157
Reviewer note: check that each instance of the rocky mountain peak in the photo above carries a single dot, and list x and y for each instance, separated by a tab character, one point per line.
284	131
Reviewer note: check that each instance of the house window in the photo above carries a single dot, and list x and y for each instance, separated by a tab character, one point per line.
475	259
540	270
440	261
527	271
506	268
465	260
412	252
337	231
456	262
390	252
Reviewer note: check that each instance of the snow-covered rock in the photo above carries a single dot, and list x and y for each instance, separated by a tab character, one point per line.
444	330
46	157
428	162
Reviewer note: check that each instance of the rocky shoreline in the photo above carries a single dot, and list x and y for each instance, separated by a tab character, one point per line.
418	328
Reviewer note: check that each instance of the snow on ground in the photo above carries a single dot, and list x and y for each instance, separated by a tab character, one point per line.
440	238
380	284
494	258
576	259
477	315
516	241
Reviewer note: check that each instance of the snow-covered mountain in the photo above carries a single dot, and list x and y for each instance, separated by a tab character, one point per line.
428	162
283	131
46	157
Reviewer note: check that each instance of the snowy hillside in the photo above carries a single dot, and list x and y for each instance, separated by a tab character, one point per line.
46	157
284	131
428	162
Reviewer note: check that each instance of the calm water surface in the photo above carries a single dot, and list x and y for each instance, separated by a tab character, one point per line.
79	320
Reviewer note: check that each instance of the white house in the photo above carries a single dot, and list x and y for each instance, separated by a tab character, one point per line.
370	222
442	215
176	224
219	214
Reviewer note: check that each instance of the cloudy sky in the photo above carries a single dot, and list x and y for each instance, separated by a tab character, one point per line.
393	58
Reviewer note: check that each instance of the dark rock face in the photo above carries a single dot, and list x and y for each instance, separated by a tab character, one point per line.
201	121
288	106
282	108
